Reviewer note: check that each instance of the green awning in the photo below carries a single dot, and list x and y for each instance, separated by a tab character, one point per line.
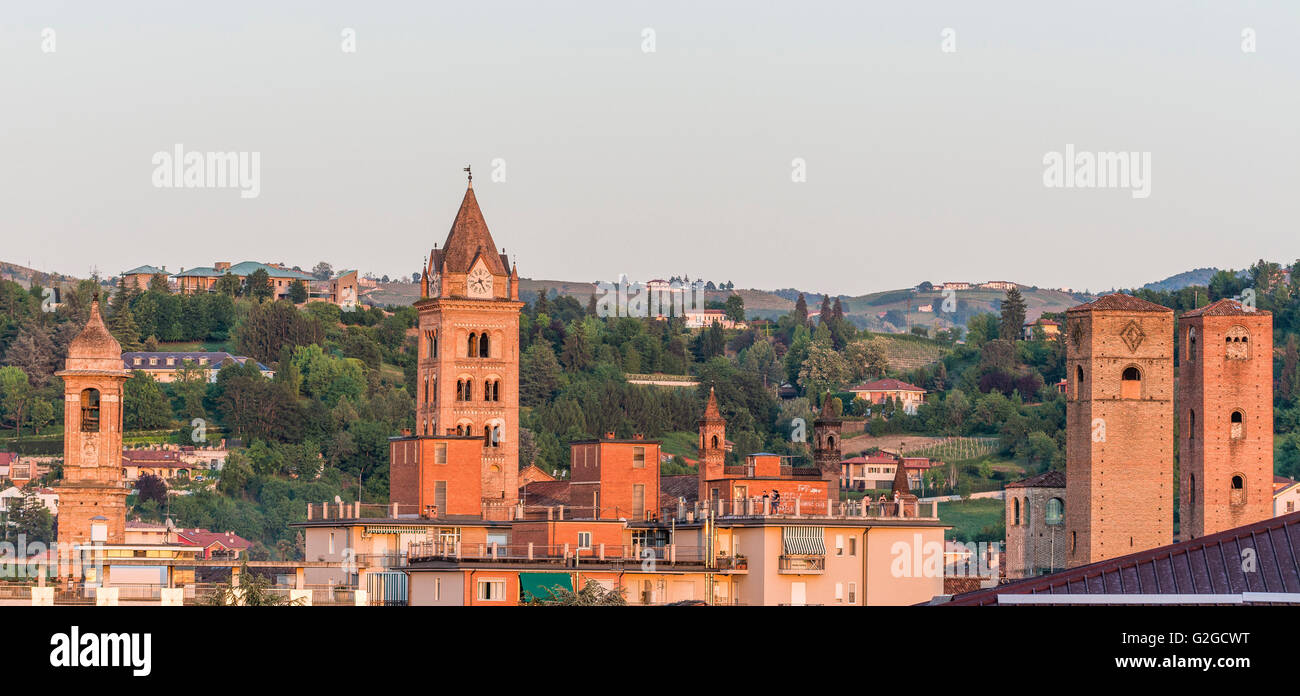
542	585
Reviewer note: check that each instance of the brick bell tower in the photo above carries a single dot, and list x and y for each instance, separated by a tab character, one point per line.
468	365
826	448
713	445
1119	428
1225	418
92	495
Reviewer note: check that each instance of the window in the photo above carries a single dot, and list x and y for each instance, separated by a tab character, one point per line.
853	551
1130	384
1078	382
1191	344
715	442
584	540
853	593
1191	489
440	453
1236	343
1237	495
483	351
1191	424
1238	427
1027	506
1055	512
638	457
89	410
471	349
839	548
638	501
331	543
492	590
440	496
839	592
1015	511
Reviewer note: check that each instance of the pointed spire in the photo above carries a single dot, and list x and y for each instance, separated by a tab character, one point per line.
828	412
900	479
469	237
711	411
94	348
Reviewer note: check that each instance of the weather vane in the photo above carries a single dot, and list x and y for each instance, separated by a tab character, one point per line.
471	174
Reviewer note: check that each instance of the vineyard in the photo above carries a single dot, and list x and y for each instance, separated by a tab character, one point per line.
955	449
908	354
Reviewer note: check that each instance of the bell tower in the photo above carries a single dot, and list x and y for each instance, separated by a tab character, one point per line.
826	447
468	365
92	495
713	444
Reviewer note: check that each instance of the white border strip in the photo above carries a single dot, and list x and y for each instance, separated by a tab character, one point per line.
1048	598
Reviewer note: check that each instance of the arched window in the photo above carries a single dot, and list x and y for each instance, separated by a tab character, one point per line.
483	346
472	349
1236	343
715	442
487	390
1015	511
1074	541
1055	512
460	390
1237	494
89	410
1028	505
1191	489
1078	382
496	390
1130	385
1191	344
469	390
830	441
1237	426
1191	424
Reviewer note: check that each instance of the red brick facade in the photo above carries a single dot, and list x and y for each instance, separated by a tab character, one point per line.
436	476
1225	418
620	478
1119	428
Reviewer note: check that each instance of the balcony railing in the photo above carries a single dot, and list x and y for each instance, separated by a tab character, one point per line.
572	555
799	508
801	565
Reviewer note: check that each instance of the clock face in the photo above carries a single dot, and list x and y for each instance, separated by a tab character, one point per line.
479	282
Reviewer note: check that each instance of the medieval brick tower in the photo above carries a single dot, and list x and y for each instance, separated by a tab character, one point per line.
1119	428
468	366
1225	418
713	445
92	497
826	448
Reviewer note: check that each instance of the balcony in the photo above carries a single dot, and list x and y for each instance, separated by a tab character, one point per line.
801	509
801	565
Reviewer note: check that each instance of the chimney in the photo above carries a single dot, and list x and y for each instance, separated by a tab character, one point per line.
638	436
406	432
609	435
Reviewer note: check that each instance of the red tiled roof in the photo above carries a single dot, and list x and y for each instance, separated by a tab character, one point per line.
887	385
1119	302
469	240
205	539
546	493
1208	565
673	487
1223	308
1047	479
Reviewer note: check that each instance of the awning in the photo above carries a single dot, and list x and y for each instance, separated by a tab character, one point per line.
542	585
386	529
804	541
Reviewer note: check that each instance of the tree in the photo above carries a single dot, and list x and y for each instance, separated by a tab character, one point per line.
253	590
15	395
152	488
576	355
144	406
324	271
1013	315
258	285
801	311
867	359
29	517
228	285
824	370
539	374
123	327
591	595
40	414
735	308
274	325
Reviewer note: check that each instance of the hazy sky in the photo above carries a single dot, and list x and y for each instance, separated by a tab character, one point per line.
921	164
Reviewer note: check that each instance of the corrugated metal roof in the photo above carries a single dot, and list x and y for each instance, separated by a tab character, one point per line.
1259	557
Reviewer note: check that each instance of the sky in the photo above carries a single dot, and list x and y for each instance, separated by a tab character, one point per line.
918	161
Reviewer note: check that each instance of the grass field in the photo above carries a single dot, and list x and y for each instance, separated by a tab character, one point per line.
974	520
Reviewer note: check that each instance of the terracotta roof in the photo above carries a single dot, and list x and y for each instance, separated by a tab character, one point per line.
94	345
1208	565
1047	479
673	487
205	538
900	482
162	458
711	408
547	493
1119	302
887	385
1223	308
468	240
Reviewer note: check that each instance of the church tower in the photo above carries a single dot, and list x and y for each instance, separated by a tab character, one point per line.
468	365
826	448
713	445
1119	428
1225	418
92	496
